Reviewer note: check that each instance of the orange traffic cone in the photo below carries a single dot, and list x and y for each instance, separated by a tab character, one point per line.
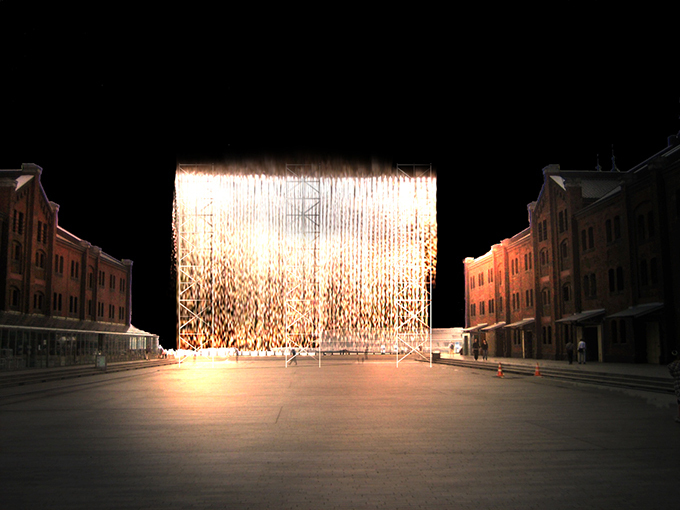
537	372
500	371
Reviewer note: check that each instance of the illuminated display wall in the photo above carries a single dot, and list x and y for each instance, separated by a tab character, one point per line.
357	249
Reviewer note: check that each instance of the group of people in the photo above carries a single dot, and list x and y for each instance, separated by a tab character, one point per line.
484	347
581	349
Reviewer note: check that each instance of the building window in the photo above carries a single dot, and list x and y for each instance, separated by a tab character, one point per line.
16	251
14	298
102	279
38	300
545	296
122	282
59	264
491	306
56	302
482	308
619	279
593	285
18	222
73	305
500	304
75	269
566	292
616	283
112	282
40	259
608	231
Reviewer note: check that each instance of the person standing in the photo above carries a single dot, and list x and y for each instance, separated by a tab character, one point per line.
570	351
475	348
485	350
582	352
674	369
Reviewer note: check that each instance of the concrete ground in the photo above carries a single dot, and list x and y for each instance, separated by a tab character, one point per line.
349	435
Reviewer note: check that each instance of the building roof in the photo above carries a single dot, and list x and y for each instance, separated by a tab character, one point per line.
637	311
60	324
596	185
582	317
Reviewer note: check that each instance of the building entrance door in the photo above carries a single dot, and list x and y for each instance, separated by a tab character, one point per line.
591	337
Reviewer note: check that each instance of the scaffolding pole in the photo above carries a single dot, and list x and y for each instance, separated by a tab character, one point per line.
302	297
414	282
194	224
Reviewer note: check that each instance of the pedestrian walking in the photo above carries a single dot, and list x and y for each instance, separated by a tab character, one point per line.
674	369
475	348
582	352
570	351
485	350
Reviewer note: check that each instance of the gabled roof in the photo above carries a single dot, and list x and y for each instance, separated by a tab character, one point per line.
592	186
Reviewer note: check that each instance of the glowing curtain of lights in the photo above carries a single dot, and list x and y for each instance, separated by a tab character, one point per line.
232	242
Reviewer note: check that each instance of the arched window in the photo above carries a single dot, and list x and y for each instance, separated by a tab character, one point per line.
38	301
566	292
14	298
644	275
40	259
16	251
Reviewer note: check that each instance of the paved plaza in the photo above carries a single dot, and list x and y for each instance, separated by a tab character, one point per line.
349	435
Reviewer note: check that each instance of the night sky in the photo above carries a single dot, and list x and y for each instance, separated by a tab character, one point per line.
108	102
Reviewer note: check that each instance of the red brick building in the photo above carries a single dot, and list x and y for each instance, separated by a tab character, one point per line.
57	291
598	262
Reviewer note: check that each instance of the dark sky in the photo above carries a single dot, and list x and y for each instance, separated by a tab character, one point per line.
107	102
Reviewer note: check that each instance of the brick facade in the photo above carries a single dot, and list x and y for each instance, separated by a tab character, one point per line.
49	272
599	262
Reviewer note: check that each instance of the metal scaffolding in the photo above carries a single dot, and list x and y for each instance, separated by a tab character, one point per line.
302	297
414	282
194	229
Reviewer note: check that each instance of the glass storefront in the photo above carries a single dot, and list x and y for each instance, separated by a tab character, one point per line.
23	348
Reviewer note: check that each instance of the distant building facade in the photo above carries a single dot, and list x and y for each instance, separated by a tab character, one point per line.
62	300
599	261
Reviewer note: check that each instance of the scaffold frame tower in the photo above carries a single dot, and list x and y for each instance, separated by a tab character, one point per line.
414	295
195	232
302	296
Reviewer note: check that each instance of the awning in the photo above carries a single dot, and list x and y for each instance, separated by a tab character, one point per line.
494	326
637	311
582	317
472	329
522	323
